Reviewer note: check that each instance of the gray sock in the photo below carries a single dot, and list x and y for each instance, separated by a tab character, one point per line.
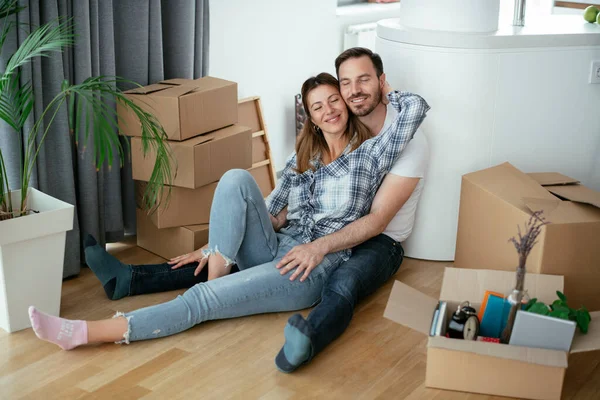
297	348
113	274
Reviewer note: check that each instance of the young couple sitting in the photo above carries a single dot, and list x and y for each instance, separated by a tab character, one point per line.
328	235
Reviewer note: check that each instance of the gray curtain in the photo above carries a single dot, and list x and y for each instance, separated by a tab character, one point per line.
141	40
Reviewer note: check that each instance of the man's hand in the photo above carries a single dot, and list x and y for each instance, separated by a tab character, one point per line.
189	258
275	223
304	258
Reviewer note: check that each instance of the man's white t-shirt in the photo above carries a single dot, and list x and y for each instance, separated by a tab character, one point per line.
412	163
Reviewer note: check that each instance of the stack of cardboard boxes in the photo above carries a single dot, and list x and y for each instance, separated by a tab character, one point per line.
209	132
493	202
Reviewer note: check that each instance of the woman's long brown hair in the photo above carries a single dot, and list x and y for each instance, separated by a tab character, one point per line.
312	142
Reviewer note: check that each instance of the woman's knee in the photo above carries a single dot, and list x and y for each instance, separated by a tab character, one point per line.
236	178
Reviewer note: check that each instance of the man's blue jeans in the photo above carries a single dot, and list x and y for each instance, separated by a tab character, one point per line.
371	265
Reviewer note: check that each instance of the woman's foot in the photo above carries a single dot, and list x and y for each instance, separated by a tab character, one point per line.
297	348
65	333
113	274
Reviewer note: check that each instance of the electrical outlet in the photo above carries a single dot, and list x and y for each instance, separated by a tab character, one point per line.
595	72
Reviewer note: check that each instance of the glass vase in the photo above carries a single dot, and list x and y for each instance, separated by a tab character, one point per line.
511	306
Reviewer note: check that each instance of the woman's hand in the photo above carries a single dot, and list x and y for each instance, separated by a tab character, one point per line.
304	258
189	258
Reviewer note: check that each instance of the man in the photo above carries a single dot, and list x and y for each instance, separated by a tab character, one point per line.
377	236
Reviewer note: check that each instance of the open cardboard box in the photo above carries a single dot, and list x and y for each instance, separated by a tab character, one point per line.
185	107
200	160
494	201
483	367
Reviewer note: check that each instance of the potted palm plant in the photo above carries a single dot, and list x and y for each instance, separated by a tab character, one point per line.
33	225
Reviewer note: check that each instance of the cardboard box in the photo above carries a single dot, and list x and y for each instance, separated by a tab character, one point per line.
482	367
494	201
200	160
192	206
185	107
170	242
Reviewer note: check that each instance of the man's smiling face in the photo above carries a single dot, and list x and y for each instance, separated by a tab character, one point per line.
359	85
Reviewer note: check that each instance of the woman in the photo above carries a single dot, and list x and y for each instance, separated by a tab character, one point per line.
327	183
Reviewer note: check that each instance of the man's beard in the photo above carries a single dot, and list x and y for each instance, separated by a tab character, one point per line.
361	112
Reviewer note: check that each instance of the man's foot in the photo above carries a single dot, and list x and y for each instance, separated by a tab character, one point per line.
65	333
297	348
113	274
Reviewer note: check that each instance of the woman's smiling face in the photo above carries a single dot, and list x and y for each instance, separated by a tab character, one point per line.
327	109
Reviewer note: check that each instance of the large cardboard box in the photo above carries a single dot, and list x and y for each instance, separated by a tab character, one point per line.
170	242
185	107
494	201
482	367
192	206
200	160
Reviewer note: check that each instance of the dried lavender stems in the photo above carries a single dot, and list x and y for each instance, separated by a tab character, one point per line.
524	244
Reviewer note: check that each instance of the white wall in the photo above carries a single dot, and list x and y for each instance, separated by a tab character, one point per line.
270	47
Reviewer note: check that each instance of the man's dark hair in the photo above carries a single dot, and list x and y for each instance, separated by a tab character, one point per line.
356	52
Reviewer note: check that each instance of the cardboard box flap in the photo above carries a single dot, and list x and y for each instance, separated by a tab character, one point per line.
537	204
411	308
223	133
552	178
508	183
470	284
550	358
197	228
591	340
229	131
578	193
149	89
178	81
178	90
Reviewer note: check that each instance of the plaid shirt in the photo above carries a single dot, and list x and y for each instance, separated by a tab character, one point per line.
332	196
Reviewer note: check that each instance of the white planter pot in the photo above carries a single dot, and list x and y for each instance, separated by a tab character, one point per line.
32	252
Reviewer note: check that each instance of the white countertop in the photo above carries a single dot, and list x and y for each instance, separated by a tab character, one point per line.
546	31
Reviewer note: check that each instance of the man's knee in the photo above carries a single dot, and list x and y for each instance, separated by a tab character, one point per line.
345	285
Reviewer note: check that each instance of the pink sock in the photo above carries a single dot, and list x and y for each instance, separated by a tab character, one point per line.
65	333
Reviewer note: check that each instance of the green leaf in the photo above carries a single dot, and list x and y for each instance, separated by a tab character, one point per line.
562	314
16	102
583	322
48	38
561	296
530	303
9	7
539	308
559	303
560	308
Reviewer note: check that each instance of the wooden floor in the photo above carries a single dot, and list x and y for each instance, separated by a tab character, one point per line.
375	358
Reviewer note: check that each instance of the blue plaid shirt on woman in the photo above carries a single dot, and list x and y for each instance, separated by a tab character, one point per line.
332	196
